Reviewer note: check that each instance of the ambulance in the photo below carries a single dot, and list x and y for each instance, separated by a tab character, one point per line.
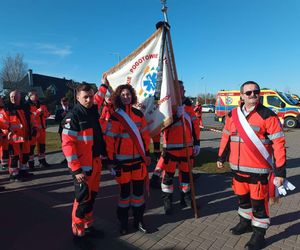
287	111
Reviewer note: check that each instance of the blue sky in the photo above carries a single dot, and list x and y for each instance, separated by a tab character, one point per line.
218	44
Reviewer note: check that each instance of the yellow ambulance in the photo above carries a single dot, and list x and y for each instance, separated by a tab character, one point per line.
287	111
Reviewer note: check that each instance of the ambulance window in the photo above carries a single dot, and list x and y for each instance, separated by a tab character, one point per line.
261	99
274	101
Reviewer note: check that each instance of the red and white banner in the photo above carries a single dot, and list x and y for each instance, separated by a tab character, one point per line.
140	69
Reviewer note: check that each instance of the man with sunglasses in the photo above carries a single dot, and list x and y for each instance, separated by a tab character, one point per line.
255	143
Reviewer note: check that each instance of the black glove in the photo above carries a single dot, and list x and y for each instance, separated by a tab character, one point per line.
81	191
33	132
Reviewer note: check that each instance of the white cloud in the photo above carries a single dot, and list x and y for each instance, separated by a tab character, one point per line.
54	49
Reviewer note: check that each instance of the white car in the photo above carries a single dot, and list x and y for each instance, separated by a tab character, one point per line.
208	108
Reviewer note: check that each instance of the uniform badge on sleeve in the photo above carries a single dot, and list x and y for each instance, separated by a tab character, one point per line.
67	123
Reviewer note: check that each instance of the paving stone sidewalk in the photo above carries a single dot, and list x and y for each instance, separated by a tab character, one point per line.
36	214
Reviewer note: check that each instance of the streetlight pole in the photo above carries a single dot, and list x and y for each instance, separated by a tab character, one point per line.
204	90
204	93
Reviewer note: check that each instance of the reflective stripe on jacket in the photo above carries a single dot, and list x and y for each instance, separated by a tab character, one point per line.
267	127
40	113
120	146
173	135
78	139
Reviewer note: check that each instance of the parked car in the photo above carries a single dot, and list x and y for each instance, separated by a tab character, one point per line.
210	108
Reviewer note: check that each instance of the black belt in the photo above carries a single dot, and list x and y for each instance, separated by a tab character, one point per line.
252	178
129	168
167	156
121	162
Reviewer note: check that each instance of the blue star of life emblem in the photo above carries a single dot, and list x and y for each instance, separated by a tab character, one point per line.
149	82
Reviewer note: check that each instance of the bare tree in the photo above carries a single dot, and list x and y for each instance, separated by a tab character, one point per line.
13	69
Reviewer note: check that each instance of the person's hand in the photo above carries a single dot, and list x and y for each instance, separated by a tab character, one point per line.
111	169
41	111
104	80
34	131
148	160
278	181
10	134
220	164
80	177
196	150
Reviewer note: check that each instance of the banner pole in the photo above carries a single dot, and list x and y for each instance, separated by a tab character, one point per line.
174	70
164	10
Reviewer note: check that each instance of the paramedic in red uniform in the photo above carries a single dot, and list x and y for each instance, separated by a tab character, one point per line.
21	129
40	113
174	152
106	112
125	159
250	181
83	147
3	138
198	112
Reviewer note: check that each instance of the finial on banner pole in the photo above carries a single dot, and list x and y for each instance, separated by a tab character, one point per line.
164	10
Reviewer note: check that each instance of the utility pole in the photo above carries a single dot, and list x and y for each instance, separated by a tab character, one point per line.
204	93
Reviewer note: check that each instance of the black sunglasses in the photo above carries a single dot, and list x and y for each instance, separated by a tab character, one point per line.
255	92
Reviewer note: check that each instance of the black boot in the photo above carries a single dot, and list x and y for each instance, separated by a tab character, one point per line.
43	163
122	214
83	243
186	199
94	233
155	181
244	226
25	174
4	166
257	240
138	223
167	199
31	165
15	178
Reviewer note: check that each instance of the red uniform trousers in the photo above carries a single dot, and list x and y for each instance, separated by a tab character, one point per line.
169	161
4	153
40	141
85	195
253	194
18	157
131	178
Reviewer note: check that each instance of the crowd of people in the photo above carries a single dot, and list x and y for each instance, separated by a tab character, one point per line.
23	127
108	130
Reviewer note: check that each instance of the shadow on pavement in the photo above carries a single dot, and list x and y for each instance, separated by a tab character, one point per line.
290	231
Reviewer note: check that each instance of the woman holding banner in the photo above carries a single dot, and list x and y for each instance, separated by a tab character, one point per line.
128	152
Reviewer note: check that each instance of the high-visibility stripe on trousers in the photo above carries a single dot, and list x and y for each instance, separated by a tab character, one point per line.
169	163
253	199
18	152
82	214
40	141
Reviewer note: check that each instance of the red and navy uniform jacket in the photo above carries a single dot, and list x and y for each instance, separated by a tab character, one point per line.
4	125
173	135
40	116
267	127
198	111
21	122
120	147
82	138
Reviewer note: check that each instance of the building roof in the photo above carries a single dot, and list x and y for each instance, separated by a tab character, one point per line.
41	83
